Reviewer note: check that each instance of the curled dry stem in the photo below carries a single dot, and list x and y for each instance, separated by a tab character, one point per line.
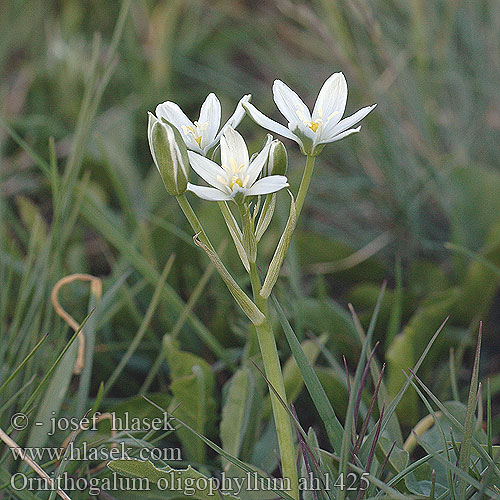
96	290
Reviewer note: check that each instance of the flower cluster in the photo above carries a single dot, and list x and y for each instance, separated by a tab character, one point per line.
178	143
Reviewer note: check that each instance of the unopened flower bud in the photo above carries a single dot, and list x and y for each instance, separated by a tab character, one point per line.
277	162
169	154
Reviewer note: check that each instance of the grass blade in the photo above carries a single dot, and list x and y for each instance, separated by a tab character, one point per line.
332	424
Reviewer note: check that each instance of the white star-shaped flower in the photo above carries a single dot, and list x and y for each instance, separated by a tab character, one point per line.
237	177
325	125
202	134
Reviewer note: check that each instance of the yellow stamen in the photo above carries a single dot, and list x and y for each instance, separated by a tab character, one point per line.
314	125
235	180
195	131
234	170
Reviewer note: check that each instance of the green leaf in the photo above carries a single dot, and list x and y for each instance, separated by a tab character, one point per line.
280	253
237	412
236	461
235	233
399	458
192	385
480	283
419	482
21	493
470	416
266	216
188	483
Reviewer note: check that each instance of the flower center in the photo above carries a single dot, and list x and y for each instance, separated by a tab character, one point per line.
233	177
314	125
195	131
318	121
235	180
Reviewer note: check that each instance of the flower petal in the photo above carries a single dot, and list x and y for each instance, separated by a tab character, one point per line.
289	103
331	99
239	112
233	148
337	137
265	122
208	170
330	132
173	114
269	184
208	193
210	113
255	168
235	118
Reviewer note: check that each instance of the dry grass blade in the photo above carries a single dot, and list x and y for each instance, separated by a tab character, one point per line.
96	291
17	449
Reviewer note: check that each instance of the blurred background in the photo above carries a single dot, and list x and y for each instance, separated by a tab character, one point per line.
413	199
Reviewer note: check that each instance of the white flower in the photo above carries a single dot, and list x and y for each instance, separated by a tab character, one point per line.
325	124
203	134
237	177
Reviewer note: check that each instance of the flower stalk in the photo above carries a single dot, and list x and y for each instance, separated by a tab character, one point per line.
193	220
304	184
274	375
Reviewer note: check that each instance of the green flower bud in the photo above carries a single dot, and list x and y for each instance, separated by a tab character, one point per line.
277	162
169	154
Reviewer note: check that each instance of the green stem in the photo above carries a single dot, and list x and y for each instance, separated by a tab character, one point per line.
304	184
193	220
272	369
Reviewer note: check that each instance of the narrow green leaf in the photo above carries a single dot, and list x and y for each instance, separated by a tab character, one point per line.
475	444
13	375
292	376
280	253
266	216
349	423
318	395
143	328
465	449
235	233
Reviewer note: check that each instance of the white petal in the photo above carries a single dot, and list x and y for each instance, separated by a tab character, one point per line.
346	123
262	120
337	137
255	168
210	113
235	118
289	103
269	184
207	169
173	114
331	99
239	112
233	147
208	193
